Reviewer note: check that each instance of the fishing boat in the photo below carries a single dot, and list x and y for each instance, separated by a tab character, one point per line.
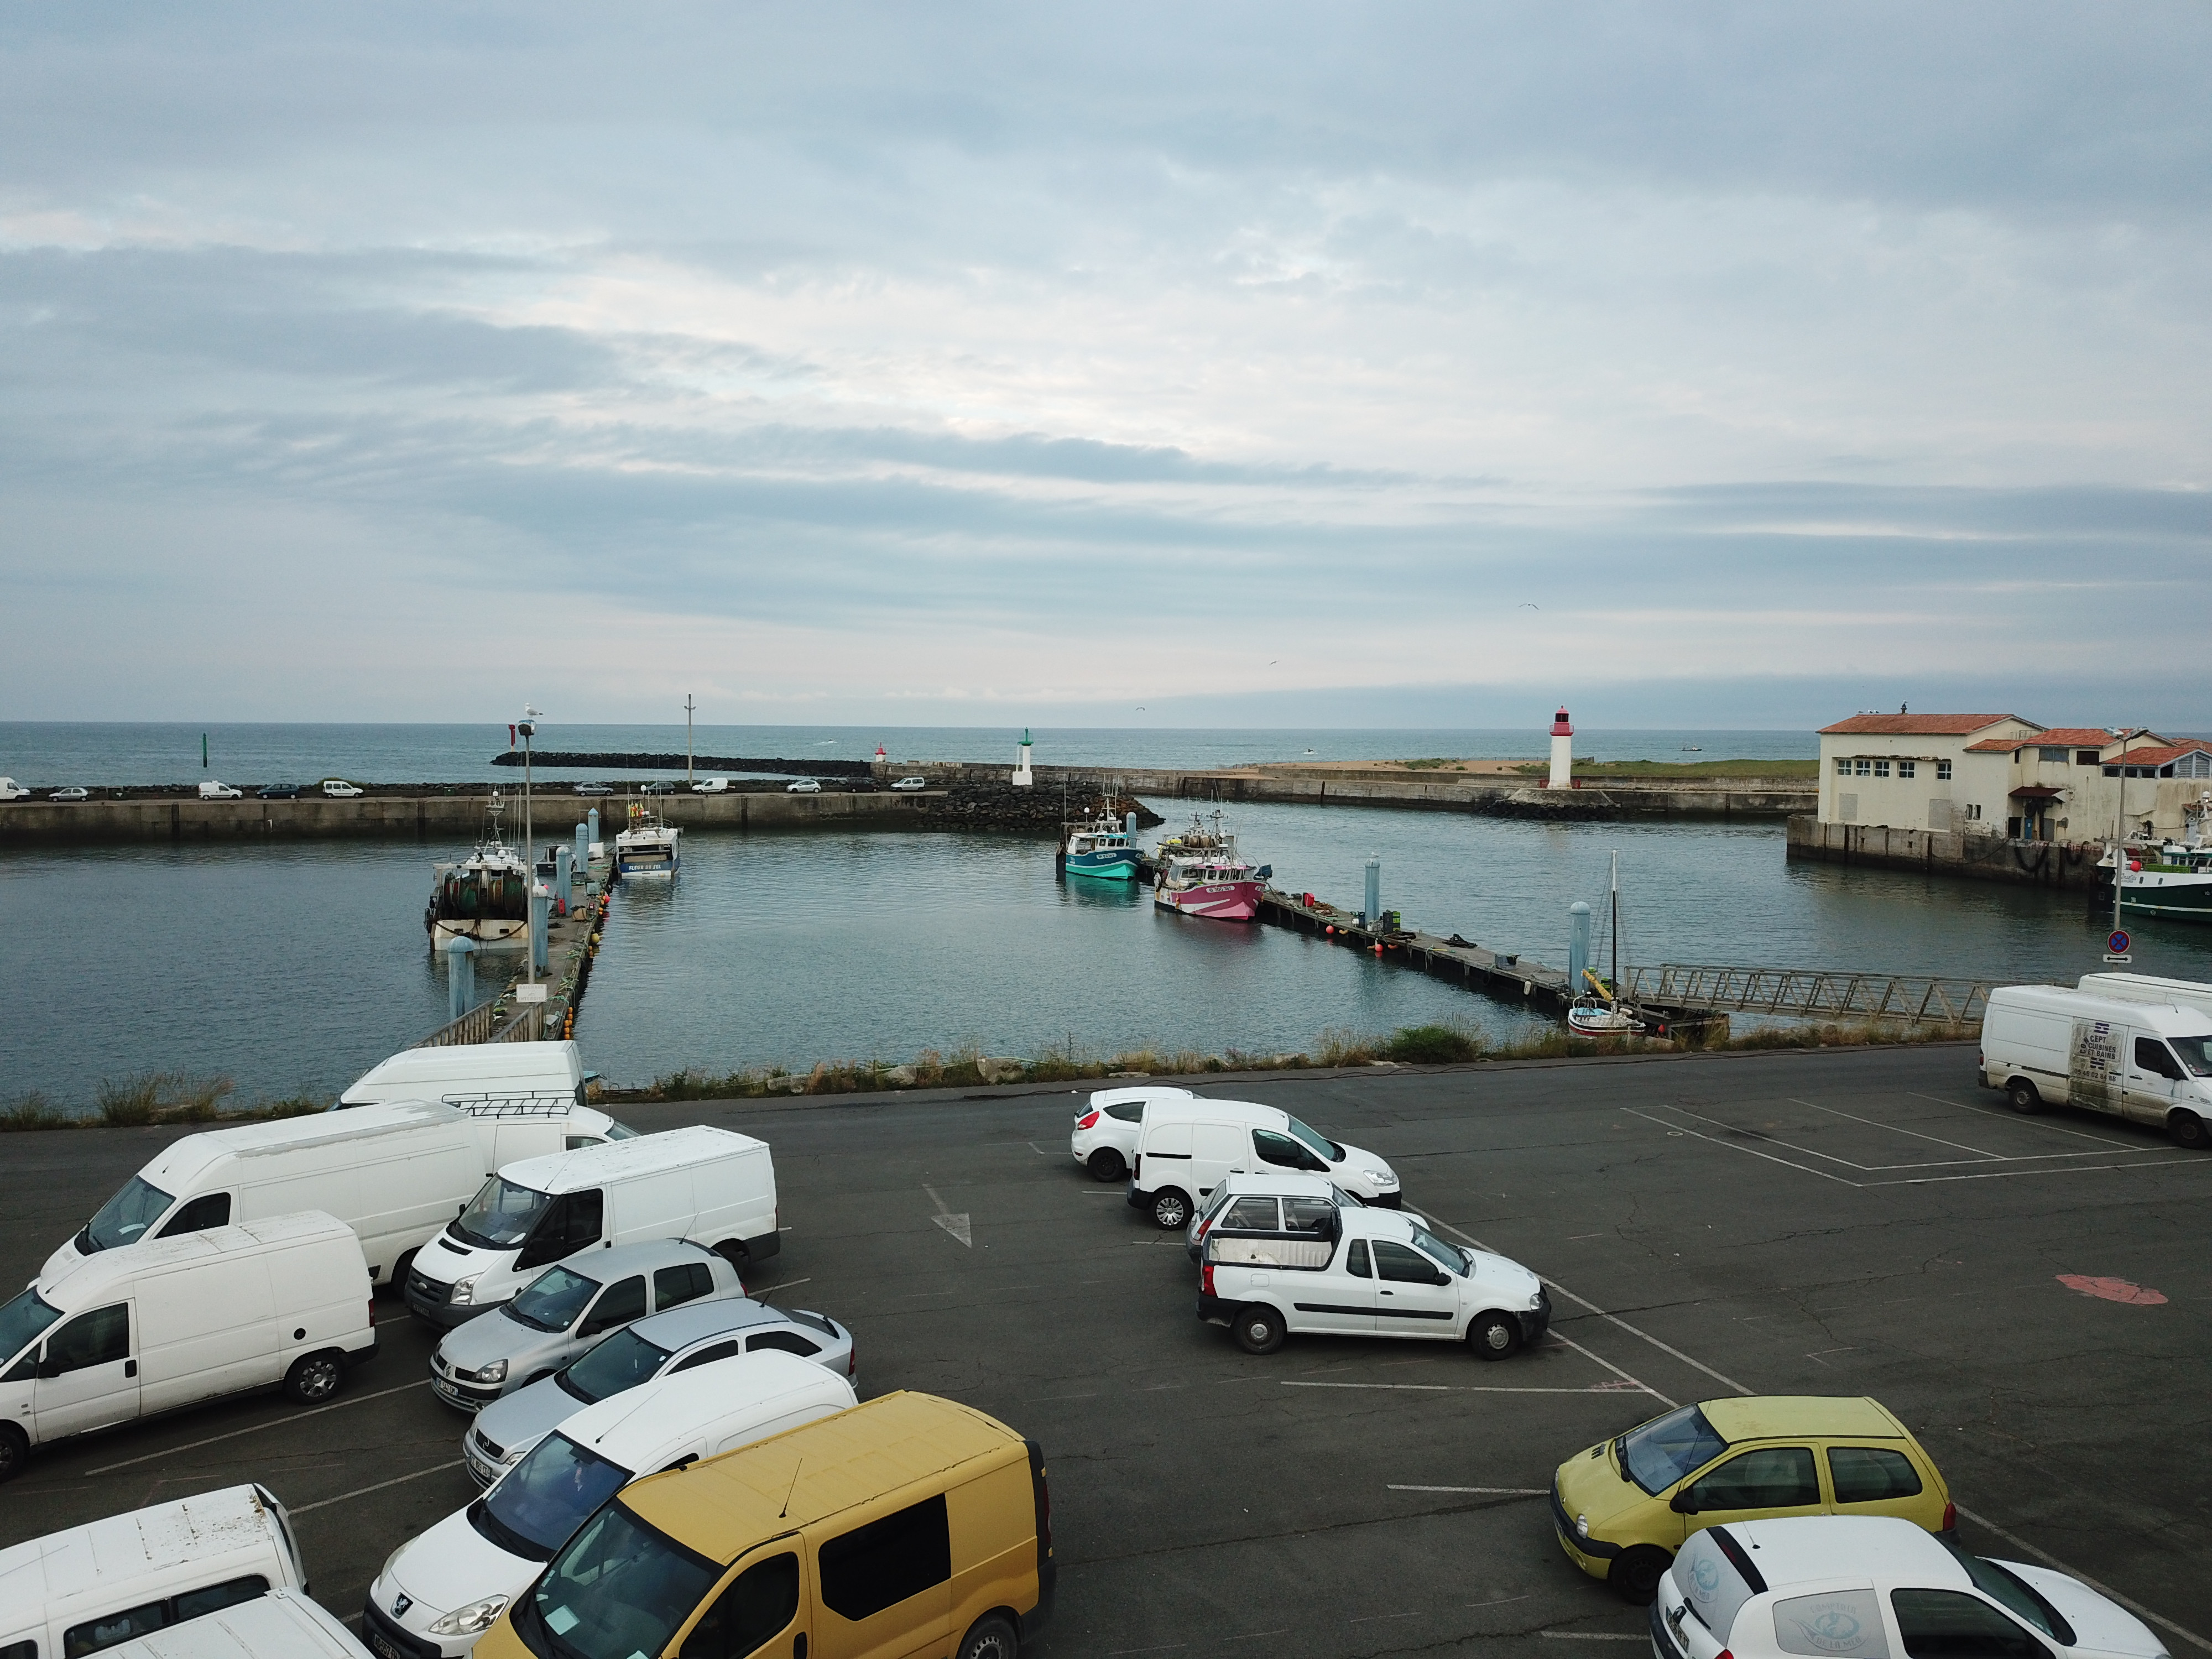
1101	850
1202	874
1599	1011
2171	880
484	898
650	847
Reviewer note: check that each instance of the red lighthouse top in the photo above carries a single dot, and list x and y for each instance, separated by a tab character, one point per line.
1559	726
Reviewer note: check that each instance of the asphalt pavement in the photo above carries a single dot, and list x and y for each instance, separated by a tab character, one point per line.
2027	1294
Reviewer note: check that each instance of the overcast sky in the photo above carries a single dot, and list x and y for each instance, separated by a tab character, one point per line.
1358	365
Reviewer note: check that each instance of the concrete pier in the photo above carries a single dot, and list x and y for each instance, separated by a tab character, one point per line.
2069	864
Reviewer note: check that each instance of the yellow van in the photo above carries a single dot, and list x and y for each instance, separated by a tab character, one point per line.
1623	1507
911	1526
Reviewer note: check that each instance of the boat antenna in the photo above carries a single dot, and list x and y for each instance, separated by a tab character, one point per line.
791	1488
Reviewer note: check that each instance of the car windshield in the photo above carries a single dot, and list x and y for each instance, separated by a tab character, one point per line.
2001	1585
547	1495
1348	1200
125	1217
620	1131
1447	1256
551	1301
618	1588
1670	1448
1320	1145
501	1215
2196	1054
623	1361
22	1320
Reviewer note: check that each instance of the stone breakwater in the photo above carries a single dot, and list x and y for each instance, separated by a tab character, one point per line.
598	761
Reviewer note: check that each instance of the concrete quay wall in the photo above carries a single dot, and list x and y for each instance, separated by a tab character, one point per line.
2066	865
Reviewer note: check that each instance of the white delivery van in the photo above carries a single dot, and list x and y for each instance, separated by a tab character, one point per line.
2048	1045
282	1625
130	1332
2148	987
393	1174
447	1586
527	1098
1187	1146
713	1187
91	1587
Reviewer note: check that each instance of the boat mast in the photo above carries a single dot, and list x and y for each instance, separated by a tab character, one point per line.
1616	930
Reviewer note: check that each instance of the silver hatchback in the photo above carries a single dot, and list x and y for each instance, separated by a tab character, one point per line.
573	1306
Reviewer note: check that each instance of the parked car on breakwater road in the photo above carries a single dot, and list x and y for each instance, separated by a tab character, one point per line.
595	789
804	786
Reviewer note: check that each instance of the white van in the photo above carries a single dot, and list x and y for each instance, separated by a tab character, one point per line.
92	1586
393	1174
2148	987
527	1098
1187	1146
2047	1045
282	1625
130	1332
449	1585
714	1187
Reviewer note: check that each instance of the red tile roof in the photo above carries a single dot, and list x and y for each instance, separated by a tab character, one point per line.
2158	757
1934	726
2071	736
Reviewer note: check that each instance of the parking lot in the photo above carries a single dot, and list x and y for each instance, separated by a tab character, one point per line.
2027	1294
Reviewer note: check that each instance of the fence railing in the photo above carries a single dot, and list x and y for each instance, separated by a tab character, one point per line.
1917	998
480	1025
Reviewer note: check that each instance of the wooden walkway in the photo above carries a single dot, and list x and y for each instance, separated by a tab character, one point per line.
1513	978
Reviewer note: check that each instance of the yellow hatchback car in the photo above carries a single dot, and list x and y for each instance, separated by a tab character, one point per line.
1622	1508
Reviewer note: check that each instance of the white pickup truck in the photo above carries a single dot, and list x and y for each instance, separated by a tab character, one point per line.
1366	1272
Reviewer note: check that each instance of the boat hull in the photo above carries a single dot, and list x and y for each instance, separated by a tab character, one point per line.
1225	901
1114	864
2183	897
497	933
1602	1022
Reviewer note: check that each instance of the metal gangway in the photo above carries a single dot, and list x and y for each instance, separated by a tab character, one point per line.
1810	994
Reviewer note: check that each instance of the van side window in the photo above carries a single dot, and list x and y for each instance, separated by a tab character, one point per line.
881	1564
706	1356
97	1337
759	1603
191	1604
2151	1056
208	1210
20	1650
116	1628
1283	1151
1355	1260
1253	1215
620	1303
1871	1474
1403	1265
585	1210
686	1281
783	1342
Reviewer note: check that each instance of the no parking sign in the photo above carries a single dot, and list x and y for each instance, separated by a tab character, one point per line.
2116	945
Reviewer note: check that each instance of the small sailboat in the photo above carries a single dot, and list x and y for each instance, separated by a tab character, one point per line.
1598	1011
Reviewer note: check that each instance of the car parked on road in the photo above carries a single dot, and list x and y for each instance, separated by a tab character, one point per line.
1187	1147
656	787
278	792
569	1308
595	789
2050	1045
804	786
666	1344
1868	1587
1107	1125
73	792
339	789
1253	1194
213	790
1323	1270
711	786
1622	1508
446	1586
908	786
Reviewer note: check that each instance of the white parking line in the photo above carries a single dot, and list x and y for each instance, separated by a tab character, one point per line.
1490	1492
1445	1388
772	1288
278	1423
1594	1635
363	1492
2055	1129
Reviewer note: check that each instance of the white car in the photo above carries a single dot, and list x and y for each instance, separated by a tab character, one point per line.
1257	1192
1187	1147
213	790
1868	1587
1330	1271
339	789
447	1586
11	790
908	786
1107	1125
75	792
804	786
711	786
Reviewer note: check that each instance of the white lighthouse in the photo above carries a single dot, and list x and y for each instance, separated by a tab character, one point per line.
1563	753
1023	778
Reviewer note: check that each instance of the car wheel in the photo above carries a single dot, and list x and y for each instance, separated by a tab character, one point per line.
314	1377
1106	1165
1635	1574
15	1451
2021	1094
2187	1130
1259	1329
739	1258
1171	1210
991	1637
398	1282
1492	1336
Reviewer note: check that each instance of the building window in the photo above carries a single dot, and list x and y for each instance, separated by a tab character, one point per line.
2111	771
2055	756
1882	768
1862	767
1904	769
1943	775
2086	757
2198	765
1973	808
1842	768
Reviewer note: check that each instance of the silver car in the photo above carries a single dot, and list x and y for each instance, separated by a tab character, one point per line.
666	1343
571	1307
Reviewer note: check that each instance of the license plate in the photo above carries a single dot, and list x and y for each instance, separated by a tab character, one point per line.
445	1387
382	1644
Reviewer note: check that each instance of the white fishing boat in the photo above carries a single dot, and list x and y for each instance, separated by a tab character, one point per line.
484	898
650	847
1599	1011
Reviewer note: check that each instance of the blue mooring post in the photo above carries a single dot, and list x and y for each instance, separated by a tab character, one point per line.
561	889
584	853
540	901
460	977
1373	915
1577	946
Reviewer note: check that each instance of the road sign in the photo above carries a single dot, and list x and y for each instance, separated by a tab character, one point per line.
2119	943
2122	958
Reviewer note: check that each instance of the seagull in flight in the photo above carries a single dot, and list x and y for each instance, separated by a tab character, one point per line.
1525	606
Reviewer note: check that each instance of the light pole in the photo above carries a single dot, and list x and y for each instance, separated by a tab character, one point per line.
527	726
2120	830
687	740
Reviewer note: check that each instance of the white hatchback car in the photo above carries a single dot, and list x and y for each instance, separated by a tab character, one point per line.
909	785
1107	1125
1872	1587
804	786
711	786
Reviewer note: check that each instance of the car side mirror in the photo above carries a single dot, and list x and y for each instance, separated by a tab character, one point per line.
1684	1503
49	1368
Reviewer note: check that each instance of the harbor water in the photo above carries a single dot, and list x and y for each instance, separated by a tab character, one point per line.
294	967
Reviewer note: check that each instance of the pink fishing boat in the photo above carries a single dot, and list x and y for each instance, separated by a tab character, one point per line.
1200	874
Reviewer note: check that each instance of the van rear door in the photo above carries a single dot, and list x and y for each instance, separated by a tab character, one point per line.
1217	1152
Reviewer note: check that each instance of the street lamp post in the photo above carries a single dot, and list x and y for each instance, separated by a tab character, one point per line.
687	740
527	726
2120	830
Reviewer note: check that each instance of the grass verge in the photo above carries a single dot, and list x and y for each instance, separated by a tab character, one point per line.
153	1097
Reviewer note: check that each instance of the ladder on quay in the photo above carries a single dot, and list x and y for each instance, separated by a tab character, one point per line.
1916	999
